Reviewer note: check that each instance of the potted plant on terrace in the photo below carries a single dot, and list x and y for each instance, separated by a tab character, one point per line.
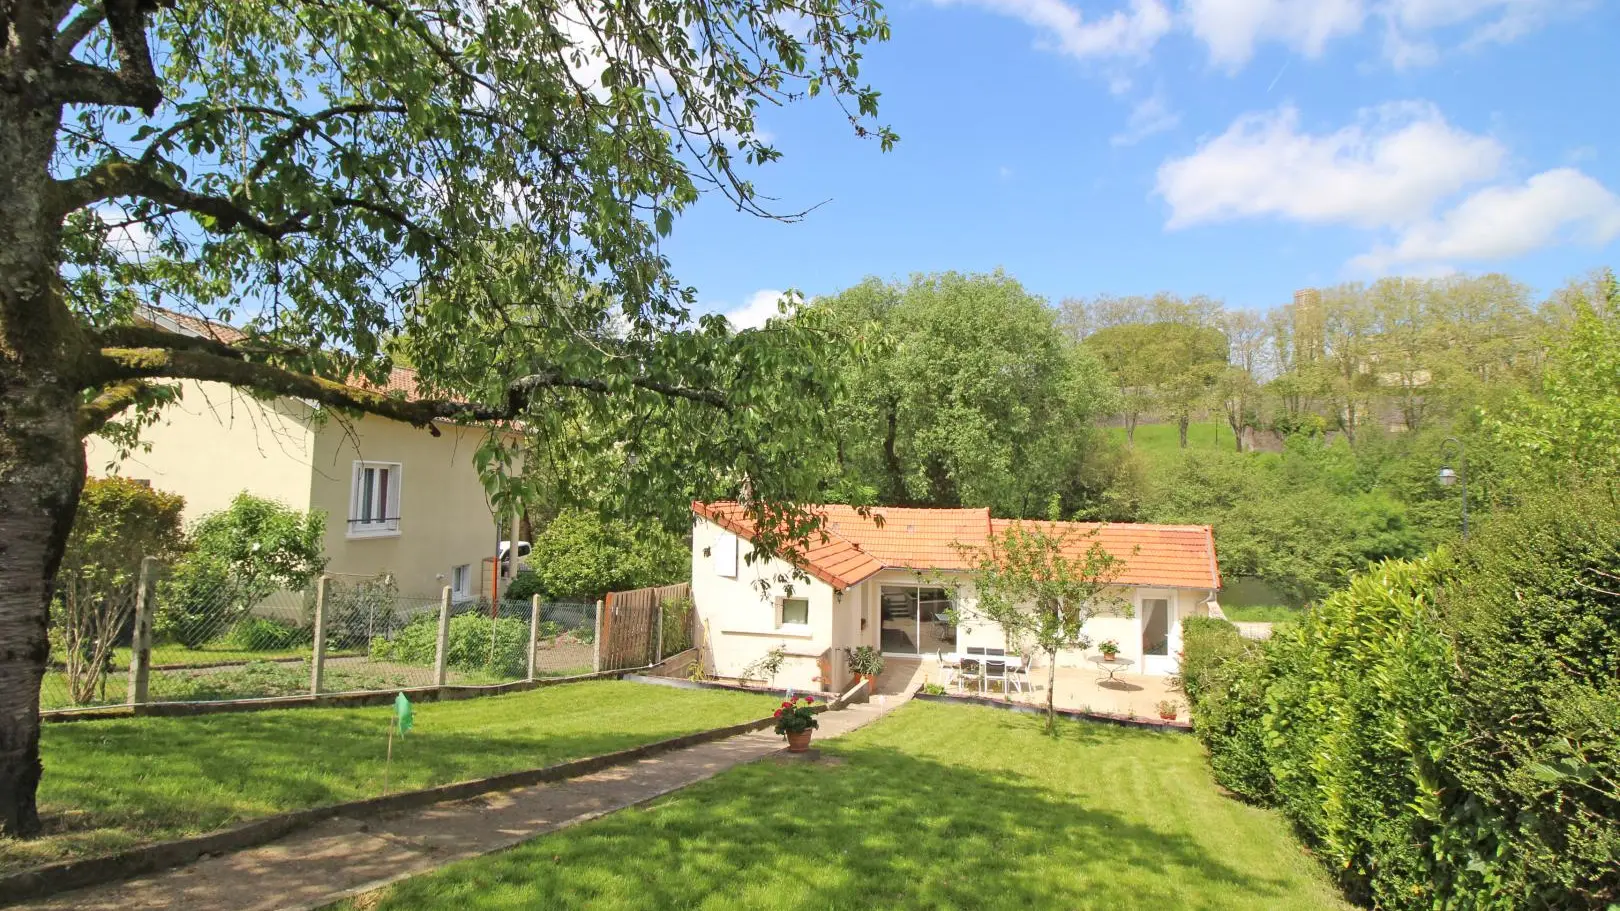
866	664
1168	709
795	721
1109	649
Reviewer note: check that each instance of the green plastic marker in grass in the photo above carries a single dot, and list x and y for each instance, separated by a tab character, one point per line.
402	713
401	722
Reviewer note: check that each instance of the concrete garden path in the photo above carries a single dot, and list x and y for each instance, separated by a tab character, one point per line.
343	857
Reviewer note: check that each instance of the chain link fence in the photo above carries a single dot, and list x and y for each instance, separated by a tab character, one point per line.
215	638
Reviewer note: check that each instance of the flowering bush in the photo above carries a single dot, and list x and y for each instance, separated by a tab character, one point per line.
794	717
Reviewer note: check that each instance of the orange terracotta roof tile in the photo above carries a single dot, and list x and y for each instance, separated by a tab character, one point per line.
895	537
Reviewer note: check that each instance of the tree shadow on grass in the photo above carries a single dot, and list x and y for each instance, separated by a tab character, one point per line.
881	829
114	783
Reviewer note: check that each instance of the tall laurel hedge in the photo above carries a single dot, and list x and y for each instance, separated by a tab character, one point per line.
1444	732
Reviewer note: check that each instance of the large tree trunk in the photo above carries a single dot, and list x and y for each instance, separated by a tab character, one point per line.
41	475
41	457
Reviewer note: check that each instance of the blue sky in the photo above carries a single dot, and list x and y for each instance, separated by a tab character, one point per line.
1236	148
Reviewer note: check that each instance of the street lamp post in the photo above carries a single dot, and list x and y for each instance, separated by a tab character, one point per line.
1448	477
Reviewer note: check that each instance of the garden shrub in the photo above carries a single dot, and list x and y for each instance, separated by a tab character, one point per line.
1224	677
1535	611
1445	732
1359	722
261	634
118	523
469	644
524	587
238	557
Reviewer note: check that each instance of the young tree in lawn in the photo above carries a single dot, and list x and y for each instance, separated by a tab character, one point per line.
119	523
481	185
1040	582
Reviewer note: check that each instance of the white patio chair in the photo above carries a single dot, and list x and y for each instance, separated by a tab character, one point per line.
1018	673
949	668
969	672
995	669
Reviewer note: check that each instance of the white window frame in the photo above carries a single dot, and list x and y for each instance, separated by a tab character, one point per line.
461	589
781	615
387	525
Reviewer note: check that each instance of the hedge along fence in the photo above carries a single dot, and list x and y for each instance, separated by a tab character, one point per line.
1446	732
640	627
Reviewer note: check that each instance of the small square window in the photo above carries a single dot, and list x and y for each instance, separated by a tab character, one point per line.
795	612
461	581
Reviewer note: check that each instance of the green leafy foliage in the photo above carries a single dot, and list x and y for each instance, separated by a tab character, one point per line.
118	524
238	557
1443	731
476	643
1535	612
1302	520
261	634
581	557
1571	429
1225	677
968	394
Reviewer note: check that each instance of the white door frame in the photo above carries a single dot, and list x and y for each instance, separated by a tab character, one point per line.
1168	663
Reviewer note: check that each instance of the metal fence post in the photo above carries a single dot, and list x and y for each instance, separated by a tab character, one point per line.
441	653
317	662
140	653
534	631
596	641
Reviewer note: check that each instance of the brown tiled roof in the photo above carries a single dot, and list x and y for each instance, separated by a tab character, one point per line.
896	537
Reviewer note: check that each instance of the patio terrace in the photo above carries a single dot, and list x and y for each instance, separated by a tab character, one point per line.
1077	688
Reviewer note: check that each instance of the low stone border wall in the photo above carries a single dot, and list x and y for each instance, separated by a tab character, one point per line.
51	879
1126	721
446	693
733	687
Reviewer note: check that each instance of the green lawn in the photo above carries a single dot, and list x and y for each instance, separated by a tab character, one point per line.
110	784
1161	441
1263	613
937	807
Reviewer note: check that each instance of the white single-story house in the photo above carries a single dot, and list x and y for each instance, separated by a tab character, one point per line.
890	586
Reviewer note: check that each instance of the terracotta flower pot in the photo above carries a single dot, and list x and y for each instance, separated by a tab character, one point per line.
1170	716
798	741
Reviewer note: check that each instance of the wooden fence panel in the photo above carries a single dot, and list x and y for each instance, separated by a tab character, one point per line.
630	625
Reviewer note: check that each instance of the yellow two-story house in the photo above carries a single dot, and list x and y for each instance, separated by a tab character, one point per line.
397	499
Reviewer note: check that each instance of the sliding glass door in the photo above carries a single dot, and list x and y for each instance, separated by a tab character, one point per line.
914	620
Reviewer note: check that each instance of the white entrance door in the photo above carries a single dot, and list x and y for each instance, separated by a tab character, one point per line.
1161	635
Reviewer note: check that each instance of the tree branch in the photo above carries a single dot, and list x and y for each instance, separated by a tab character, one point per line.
78	29
114	365
110	403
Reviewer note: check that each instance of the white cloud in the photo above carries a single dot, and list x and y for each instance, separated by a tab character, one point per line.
1389	168
1499	222
1064	28
1150	115
129	239
761	306
1232	28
